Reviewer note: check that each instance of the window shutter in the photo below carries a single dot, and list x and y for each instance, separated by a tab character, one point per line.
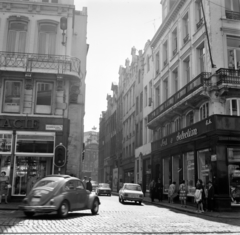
22	41
42	43
11	40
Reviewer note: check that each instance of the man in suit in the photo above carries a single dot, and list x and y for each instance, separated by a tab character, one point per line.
210	196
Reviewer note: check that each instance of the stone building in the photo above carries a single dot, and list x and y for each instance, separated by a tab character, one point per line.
43	53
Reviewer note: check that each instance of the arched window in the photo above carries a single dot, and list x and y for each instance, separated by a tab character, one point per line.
47	38
204	111
232	107
177	124
189	118
17	33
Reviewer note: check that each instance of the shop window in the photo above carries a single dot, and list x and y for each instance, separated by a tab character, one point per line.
234	175
189	118
233	45
17	32
47	38
5	143
28	171
12	96
204	111
44	96
5	164
189	172
204	166
233	107
29	143
166	174
176	170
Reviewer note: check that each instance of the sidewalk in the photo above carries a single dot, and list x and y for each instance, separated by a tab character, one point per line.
191	209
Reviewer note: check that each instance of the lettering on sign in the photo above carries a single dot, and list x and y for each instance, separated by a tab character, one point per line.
19	124
208	122
164	143
184	135
54	127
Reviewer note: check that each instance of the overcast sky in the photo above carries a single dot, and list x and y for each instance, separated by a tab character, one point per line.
114	27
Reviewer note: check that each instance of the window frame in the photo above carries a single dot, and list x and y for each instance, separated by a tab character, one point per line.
193	121
205	107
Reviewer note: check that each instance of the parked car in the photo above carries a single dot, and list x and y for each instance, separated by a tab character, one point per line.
131	192
103	189
94	185
61	194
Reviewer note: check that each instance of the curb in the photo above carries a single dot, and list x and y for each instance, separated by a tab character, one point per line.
166	205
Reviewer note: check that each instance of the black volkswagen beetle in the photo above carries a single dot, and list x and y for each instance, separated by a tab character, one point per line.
61	194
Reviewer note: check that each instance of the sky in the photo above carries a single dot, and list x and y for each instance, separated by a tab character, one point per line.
113	28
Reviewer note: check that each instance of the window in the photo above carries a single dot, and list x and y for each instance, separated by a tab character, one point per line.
150	94
141	102
141	132
185	28
186	65
233	107
17	32
189	172
232	7
189	118
167	177
204	111
165	90
199	14
12	96
168	129
145	96
165	54
157	96
139	75
47	38
145	130
148	63
44	96
157	63
50	1
137	106
177	124
233	44
201	58
175	81
174	42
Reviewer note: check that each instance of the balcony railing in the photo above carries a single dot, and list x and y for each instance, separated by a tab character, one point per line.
233	15
186	39
29	61
200	80
200	22
230	76
174	51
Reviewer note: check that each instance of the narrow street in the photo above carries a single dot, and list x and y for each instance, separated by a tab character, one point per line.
117	218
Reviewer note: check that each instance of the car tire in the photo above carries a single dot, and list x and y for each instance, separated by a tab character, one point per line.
119	199
123	201
95	207
110	195
140	203
63	209
29	214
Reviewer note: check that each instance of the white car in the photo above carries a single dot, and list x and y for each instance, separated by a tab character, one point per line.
131	192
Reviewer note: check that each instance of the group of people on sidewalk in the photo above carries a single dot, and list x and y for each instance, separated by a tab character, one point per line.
203	197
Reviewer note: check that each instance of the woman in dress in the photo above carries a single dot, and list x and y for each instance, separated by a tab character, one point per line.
4	181
183	193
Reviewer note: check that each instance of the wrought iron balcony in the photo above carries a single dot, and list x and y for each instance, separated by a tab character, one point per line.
233	15
30	62
229	76
199	23
199	81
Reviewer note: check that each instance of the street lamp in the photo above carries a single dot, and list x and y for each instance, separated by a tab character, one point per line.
63	26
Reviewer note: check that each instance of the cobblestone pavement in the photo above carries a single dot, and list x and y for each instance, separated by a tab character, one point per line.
115	218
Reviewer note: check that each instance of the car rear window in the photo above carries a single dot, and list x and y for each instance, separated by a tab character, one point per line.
48	183
133	187
104	185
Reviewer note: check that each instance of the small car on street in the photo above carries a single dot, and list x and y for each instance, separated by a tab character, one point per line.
61	194
131	192
103	189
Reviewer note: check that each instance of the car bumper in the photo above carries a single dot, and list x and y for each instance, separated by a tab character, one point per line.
38	209
139	199
104	192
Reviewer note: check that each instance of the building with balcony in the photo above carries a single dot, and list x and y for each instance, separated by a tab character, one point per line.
196	90
43	54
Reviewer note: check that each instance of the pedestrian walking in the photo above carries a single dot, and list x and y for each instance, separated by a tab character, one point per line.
89	185
152	189
210	198
159	190
85	182
4	186
199	196
172	192
183	194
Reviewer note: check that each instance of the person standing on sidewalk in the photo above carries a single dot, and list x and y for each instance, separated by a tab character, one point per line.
4	182
183	193
159	190
89	185
210	199
152	189
172	192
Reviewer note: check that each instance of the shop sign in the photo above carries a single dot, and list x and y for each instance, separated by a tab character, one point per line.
19	123
184	135
54	127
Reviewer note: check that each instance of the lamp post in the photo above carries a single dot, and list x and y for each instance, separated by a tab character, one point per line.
63	26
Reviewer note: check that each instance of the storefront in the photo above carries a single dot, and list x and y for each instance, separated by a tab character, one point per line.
208	150
147	173
27	150
128	170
